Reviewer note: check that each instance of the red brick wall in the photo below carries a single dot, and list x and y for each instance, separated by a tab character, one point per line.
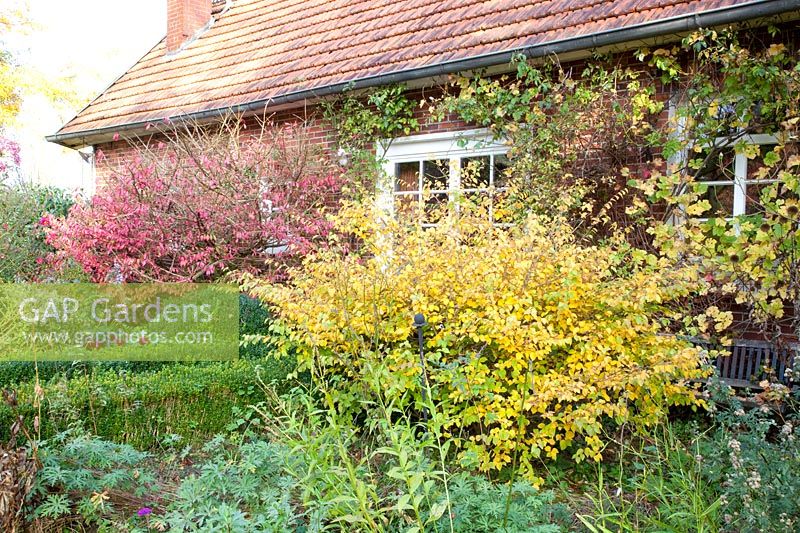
112	157
116	154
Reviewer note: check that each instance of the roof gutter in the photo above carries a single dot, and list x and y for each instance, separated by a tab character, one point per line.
648	30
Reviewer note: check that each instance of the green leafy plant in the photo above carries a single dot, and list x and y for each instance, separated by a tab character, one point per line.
242	487
25	213
361	120
480	506
753	457
657	486
87	480
398	478
569	135
337	488
736	119
139	408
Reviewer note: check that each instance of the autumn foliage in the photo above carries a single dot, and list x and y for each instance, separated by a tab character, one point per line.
204	202
737	111
533	341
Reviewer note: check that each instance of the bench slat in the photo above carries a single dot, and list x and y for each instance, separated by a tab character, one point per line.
743	364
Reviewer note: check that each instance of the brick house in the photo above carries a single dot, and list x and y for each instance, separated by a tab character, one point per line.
257	56
282	57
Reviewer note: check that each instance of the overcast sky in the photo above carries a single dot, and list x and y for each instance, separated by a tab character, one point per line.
93	40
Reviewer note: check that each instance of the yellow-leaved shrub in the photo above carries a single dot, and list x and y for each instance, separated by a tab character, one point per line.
534	341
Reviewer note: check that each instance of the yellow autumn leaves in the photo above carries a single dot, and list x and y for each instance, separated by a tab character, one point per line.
533	342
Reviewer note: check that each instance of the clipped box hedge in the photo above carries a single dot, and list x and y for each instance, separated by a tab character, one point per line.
194	401
140	403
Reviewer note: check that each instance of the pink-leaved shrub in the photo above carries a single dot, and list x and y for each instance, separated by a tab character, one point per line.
202	202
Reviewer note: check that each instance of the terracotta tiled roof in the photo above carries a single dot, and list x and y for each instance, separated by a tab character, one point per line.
264	49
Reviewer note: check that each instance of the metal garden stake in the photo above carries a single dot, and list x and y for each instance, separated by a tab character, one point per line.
419	324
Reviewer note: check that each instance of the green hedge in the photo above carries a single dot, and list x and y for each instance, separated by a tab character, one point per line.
194	401
140	403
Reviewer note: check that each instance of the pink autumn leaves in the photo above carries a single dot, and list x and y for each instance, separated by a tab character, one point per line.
203	203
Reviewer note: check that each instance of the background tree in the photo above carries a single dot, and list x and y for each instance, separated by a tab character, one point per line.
19	79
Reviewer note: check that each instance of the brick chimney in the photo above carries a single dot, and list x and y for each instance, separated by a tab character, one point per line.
184	19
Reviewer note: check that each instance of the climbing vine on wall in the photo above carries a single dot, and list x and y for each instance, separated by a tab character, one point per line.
733	182
569	132
360	120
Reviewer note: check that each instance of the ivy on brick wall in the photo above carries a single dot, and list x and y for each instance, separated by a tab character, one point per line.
360	120
732	185
631	143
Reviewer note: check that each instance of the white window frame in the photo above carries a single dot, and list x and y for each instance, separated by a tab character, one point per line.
452	146
740	175
740	162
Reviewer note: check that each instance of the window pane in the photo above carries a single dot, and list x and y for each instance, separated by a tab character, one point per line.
721	199
429	204
753	203
435	207
475	172
435	174
715	165
501	164
406	176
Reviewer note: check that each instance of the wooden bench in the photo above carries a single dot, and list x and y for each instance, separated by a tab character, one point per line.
747	359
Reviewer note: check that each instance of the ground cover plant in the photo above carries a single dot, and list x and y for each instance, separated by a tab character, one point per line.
140	408
246	482
299	465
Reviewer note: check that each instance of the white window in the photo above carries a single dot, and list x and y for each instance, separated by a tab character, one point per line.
428	171
729	179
